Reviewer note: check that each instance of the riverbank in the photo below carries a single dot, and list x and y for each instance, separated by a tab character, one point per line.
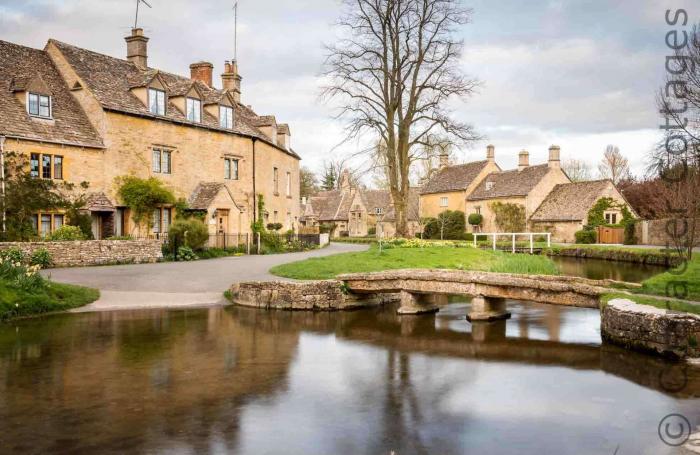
431	257
49	297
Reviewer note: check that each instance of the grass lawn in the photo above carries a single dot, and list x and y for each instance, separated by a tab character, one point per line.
408	258
685	279
675	305
16	302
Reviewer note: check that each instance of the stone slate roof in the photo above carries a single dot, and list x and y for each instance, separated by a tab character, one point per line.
453	178
374	199
23	67
99	202
110	79
570	201
413	207
203	195
509	183
326	205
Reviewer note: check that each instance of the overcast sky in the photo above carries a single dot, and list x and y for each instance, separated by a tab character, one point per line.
580	74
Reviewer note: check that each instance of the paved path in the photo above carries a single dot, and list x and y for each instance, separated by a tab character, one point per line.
178	284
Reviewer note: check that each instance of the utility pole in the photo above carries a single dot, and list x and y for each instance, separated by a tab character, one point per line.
2	175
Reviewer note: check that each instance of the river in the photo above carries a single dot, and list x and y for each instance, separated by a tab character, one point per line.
243	381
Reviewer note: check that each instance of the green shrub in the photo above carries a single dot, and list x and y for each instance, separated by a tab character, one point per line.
12	255
475	219
343	234
42	258
274	226
449	225
372	231
185	253
81	219
143	196
67	233
326	228
585	236
191	233
630	237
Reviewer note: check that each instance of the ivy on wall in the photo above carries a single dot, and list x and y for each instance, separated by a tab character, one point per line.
596	215
143	196
508	216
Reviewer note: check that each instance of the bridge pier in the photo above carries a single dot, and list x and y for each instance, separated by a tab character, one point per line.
413	303
487	309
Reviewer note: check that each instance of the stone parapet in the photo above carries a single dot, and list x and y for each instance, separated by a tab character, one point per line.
646	328
327	295
93	252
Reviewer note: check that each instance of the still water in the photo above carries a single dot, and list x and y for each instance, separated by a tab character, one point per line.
599	269
243	381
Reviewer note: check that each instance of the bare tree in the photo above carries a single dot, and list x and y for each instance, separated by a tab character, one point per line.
676	160
392	73
577	170
614	165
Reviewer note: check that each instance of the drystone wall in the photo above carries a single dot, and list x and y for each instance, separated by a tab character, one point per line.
93	252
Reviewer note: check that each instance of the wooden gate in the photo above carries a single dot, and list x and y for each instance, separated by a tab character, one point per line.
610	234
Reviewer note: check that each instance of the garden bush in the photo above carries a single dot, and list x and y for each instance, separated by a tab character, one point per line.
475	219
185	253
630	237
191	233
42	258
274	226
585	236
449	225
67	233
12	255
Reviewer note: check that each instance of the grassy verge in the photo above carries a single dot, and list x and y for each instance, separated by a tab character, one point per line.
663	304
15	302
682	282
407	258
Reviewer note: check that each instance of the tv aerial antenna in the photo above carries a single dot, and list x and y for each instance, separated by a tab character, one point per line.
138	3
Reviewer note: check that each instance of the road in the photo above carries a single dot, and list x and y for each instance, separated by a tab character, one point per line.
178	284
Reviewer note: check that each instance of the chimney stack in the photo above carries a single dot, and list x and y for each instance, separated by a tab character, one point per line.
490	153
231	80
202	71
523	159
137	48
554	156
444	160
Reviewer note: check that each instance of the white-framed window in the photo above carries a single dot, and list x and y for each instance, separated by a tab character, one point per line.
226	117
230	169
162	161
611	217
378	210
39	105
46	223
156	101
289	184
194	110
444	201
489	186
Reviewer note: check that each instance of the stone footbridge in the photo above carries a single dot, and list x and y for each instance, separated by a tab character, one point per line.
422	291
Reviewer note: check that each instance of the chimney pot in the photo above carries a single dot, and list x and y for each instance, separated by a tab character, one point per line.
444	160
202	71
490	153
554	152
137	48
523	159
231	80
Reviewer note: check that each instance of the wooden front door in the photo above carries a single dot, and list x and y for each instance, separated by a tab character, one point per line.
221	227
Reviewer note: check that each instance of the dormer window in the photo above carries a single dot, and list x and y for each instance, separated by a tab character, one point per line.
226	117
194	110
39	105
156	101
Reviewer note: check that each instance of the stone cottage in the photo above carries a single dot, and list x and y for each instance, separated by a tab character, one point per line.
355	211
81	116
565	209
449	186
527	186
